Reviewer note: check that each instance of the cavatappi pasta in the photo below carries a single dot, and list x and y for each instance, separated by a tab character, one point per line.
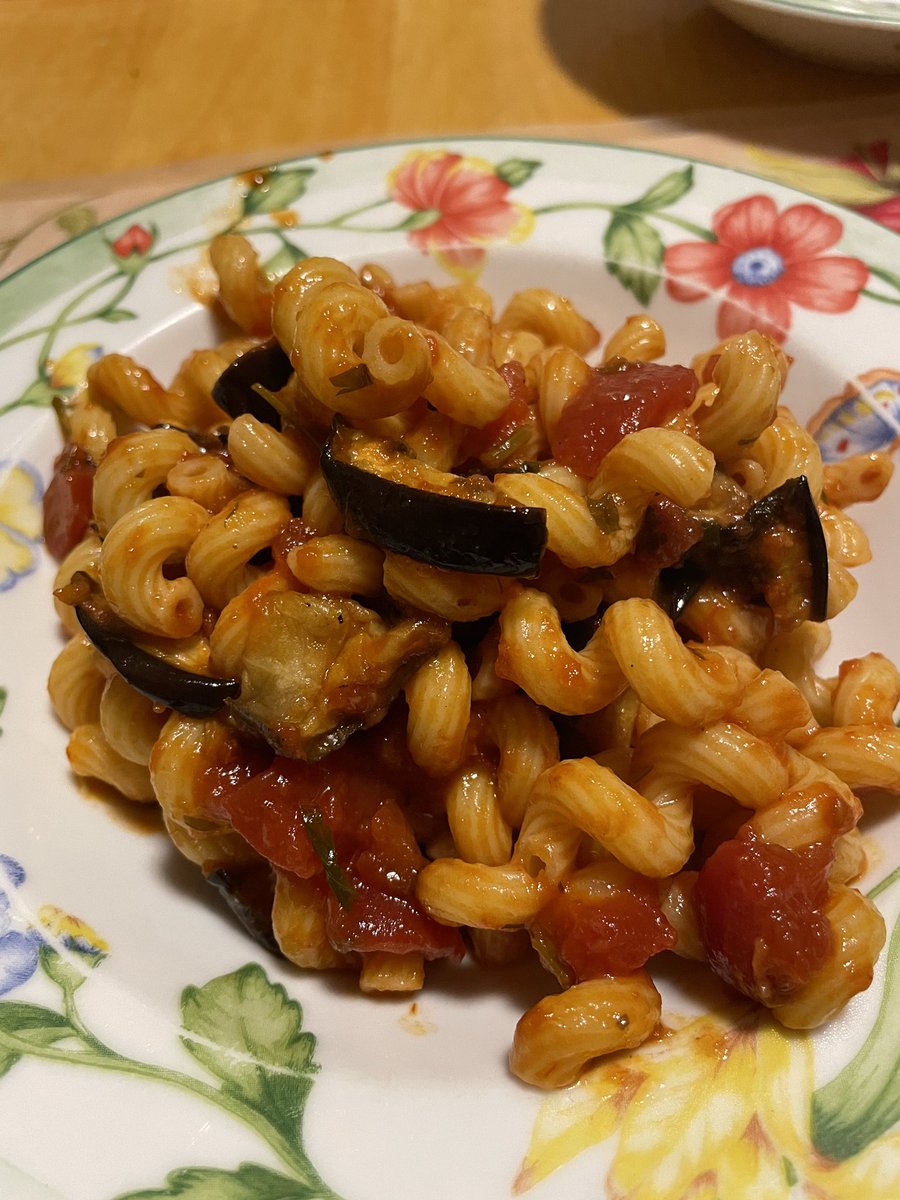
444	640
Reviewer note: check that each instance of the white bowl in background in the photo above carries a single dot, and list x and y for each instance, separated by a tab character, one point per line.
861	34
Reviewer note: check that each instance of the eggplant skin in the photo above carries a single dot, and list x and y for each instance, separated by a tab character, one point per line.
447	531
267	365
777	551
185	692
249	891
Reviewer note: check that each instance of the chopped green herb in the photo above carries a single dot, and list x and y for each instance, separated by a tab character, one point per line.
352	380
516	440
322	842
605	512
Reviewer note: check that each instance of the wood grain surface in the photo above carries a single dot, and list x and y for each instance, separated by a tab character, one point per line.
89	87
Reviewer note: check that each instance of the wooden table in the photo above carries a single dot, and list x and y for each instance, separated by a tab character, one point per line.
90	87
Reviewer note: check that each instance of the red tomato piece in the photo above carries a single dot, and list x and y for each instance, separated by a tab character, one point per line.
759	912
267	810
393	924
68	501
375	847
614	403
609	935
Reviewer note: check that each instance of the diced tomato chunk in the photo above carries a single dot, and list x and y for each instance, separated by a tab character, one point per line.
391	924
759	913
614	403
352	794
68	501
612	934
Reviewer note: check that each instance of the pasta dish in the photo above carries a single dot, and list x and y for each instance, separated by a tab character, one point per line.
438	630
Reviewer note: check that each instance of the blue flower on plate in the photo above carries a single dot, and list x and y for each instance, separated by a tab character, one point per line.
18	951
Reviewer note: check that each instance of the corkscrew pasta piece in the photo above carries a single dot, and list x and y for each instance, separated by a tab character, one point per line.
130	722
563	1034
783	450
655	840
218	558
185	750
206	479
132	560
858	935
867	691
749	375
82	558
269	458
857	478
863	756
439	699
122	385
133	468
534	653
337	563
480	831
453	595
91	756
299	925
76	683
479	895
553	318
244	290
561	374
638	339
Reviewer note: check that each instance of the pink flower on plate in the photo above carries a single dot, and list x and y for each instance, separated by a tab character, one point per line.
136	239
765	261
461	204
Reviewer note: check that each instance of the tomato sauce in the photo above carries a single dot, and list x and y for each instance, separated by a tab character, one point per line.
616	401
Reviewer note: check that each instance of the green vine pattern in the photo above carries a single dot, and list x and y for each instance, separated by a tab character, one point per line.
633	247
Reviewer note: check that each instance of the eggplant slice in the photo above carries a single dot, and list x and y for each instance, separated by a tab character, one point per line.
775	553
236	392
455	522
172	687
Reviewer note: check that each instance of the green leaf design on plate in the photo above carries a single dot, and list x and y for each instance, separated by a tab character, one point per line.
278	190
420	219
665	191
77	219
249	1034
283	259
248	1182
32	1024
118	314
516	171
863	1101
634	254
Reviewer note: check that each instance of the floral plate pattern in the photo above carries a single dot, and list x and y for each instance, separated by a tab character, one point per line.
146	1049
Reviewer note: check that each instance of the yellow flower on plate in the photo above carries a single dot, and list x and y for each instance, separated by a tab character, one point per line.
20	521
69	372
718	1109
72	932
834	181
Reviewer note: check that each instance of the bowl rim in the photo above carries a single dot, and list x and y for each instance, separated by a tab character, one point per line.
861	14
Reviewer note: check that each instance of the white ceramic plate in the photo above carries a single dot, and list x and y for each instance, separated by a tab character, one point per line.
113	1080
863	35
